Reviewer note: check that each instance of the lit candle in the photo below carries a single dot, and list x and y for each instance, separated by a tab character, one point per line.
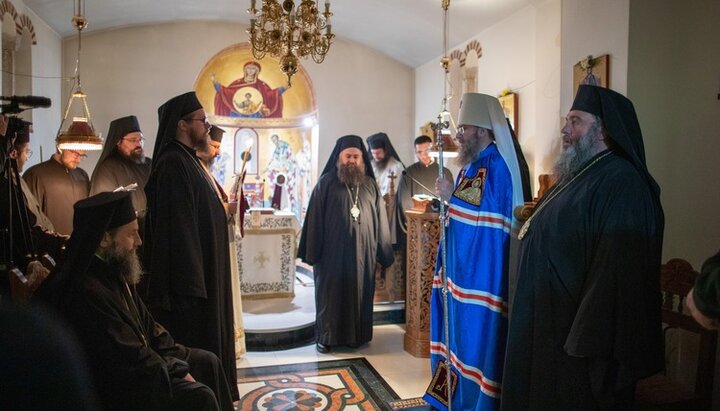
252	6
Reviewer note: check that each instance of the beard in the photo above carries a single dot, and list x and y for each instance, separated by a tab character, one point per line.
380	165
136	156
127	262
577	154
352	175
469	151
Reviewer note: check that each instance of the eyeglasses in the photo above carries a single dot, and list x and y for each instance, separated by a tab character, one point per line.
140	140
204	120
461	130
77	153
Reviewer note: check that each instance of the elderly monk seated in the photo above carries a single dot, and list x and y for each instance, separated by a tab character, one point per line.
135	362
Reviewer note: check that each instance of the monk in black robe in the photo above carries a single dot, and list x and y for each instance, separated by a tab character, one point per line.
585	324
186	238
123	162
418	178
345	232
32	231
58	184
135	362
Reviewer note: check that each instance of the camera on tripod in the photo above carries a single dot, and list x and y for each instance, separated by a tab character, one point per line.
19	253
18	104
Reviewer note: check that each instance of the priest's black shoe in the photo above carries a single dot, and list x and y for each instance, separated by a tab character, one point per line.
322	348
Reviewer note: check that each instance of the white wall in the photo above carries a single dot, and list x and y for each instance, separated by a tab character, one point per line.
591	27
46	82
521	53
134	70
674	81
46	57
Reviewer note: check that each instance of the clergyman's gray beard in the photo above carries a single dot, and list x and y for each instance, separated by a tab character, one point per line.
469	150
127	261
138	156
577	154
352	175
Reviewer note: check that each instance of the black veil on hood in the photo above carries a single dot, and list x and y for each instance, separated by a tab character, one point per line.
119	128
620	120
381	140
349	141
93	217
168	116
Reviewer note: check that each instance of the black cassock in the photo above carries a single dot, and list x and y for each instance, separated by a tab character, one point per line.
186	256
135	362
343	253
117	171
586	321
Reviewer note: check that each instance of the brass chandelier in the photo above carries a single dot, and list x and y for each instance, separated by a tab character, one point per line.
76	130
288	32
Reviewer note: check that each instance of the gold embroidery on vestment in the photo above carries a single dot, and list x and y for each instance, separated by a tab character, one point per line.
470	189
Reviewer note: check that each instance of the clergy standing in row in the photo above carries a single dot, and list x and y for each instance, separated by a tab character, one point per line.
586	320
387	167
419	178
186	246
344	234
58	184
123	162
208	154
477	255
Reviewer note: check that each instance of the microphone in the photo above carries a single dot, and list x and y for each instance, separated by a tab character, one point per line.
30	101
431	192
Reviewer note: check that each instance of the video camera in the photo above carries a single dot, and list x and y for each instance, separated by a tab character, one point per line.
18	104
15	105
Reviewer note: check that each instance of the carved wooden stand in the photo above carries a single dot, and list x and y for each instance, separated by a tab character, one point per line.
423	236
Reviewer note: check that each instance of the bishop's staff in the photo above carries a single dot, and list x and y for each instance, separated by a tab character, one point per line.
441	128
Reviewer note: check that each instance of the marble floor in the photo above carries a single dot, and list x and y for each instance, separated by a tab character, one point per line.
407	375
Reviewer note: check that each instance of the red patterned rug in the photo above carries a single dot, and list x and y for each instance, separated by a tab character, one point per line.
350	384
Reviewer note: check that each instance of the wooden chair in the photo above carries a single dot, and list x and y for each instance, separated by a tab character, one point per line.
660	392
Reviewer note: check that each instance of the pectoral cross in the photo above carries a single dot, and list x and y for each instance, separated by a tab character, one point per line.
392	178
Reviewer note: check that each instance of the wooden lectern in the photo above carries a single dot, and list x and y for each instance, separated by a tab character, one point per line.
423	236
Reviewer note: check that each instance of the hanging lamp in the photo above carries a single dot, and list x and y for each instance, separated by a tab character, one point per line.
76	130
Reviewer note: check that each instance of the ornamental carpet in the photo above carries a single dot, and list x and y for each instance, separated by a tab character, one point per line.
348	384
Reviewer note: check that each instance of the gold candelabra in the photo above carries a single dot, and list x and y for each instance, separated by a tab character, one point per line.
289	33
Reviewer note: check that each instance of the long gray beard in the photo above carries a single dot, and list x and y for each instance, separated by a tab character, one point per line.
576	155
128	263
469	151
352	175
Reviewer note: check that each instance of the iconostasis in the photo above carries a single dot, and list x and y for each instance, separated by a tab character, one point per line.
270	129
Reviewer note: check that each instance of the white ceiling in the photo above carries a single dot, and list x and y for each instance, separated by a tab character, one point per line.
408	30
